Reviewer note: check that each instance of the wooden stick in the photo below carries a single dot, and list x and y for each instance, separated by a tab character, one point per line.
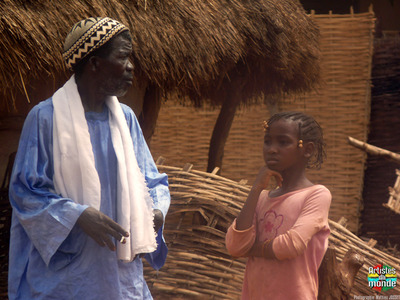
370	149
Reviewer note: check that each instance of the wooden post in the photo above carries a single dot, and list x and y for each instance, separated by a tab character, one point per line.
337	279
150	110
221	131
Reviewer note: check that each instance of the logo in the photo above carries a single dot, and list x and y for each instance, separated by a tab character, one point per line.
382	277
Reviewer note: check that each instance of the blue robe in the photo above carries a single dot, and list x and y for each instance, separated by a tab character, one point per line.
50	256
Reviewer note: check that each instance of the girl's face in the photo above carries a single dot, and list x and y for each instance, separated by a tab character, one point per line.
281	146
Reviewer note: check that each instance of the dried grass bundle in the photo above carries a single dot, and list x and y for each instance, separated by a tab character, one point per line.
199	48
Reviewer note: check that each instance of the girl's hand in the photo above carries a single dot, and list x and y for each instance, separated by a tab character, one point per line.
256	250
264	177
260	250
246	215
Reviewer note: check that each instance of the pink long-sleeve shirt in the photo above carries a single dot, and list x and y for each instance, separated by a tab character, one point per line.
298	223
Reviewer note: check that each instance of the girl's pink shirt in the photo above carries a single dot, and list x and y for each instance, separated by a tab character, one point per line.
298	223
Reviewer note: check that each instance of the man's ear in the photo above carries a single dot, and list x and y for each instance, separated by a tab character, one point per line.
93	63
309	149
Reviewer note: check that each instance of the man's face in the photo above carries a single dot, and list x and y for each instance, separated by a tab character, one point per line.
115	70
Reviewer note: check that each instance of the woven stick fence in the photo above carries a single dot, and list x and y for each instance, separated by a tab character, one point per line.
203	206
394	192
344	240
198	265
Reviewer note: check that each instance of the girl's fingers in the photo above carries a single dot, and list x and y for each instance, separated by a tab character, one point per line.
277	175
278	179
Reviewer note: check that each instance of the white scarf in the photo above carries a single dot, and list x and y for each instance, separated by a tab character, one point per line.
76	177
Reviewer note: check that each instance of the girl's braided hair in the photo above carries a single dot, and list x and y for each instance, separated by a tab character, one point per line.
309	131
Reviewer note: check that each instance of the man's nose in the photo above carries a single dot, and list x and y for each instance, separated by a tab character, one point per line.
130	66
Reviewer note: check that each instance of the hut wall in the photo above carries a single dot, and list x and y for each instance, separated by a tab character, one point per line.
12	115
379	222
341	105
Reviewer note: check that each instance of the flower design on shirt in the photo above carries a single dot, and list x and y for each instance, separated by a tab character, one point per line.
270	224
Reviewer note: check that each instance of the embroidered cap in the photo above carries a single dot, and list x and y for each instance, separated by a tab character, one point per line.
88	35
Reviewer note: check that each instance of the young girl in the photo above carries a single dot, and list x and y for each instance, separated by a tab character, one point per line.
284	232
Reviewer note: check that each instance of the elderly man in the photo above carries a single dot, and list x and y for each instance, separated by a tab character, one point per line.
88	201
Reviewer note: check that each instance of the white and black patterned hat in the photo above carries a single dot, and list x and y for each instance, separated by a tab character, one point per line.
88	35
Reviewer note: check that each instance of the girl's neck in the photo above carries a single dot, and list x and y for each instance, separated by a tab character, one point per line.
293	186
292	182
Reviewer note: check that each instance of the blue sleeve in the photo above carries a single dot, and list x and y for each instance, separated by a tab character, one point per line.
156	182
47	218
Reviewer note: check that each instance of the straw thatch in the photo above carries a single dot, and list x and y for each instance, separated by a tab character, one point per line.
198	47
198	266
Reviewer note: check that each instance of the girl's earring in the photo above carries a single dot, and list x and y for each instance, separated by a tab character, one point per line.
265	125
300	143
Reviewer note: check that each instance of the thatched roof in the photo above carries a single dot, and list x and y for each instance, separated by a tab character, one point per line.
198	47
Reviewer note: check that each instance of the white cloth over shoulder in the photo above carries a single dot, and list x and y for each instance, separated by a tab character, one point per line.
75	174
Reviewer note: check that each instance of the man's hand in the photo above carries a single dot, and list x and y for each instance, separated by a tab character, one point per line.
101	227
158	219
158	222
